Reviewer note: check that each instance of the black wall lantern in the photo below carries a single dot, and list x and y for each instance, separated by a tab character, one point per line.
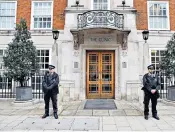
123	2
55	34
145	34
77	2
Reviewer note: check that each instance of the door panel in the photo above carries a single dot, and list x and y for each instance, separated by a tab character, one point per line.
100	78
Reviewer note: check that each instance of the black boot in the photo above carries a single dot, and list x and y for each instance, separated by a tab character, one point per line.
146	117
55	115
45	115
156	117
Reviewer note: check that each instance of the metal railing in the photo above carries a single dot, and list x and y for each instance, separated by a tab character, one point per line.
101	18
8	87
165	82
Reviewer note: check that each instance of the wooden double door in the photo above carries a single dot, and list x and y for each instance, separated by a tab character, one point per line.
100	81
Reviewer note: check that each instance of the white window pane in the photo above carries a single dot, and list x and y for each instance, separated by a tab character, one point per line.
151	22
40	25
158	16
35	25
44	19
100	4
7	15
164	12
151	10
95	1
165	24
42	11
44	24
48	24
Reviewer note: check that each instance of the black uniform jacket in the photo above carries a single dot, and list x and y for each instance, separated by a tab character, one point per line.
50	83
150	83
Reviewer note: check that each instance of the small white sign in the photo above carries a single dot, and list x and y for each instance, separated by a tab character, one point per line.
101	39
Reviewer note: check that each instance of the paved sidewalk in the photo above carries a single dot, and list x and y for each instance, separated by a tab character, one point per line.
84	123
74	118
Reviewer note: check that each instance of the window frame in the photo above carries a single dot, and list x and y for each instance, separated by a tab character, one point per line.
32	13
155	50
168	14
15	14
35	76
92	5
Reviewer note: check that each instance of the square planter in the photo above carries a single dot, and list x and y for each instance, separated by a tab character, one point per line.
171	93
23	93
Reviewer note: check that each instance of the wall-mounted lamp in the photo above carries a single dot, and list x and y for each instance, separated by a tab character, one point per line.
123	3
145	34
77	2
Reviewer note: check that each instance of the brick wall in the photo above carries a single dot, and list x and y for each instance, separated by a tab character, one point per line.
58	15
24	11
142	17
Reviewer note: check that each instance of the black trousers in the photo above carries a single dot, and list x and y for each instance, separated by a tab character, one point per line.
53	97
147	98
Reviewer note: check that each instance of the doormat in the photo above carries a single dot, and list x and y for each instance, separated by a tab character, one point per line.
100	104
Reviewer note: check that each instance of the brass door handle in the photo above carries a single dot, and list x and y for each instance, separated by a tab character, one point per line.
99	76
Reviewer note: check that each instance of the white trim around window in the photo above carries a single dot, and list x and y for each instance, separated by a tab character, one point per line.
92	5
32	14
154	49
15	15
167	14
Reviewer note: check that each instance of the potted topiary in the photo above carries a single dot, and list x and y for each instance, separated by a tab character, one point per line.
167	65
20	61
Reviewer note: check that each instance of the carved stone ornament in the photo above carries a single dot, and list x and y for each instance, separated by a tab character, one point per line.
125	40
76	42
78	38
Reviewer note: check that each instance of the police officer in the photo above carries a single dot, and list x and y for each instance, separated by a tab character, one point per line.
151	85
50	89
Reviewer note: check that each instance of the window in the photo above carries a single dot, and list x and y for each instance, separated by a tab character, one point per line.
43	56
42	15
158	15
7	15
156	56
2	53
100	4
5	83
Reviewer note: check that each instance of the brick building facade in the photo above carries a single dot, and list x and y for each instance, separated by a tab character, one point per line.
101	42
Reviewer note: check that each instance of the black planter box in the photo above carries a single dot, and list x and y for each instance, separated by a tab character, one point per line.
23	93
171	93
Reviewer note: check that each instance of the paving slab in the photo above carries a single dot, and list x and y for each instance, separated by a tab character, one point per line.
100	112
109	127
122	124
85	124
2	125
60	124
14	123
126	106
123	128
68	113
132	112
117	112
165	127
84	113
7	112
75	107
108	121
37	112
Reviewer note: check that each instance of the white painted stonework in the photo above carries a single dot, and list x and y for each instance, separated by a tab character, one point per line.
136	57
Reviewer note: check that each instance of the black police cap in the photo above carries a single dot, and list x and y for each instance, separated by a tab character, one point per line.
51	67
150	66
